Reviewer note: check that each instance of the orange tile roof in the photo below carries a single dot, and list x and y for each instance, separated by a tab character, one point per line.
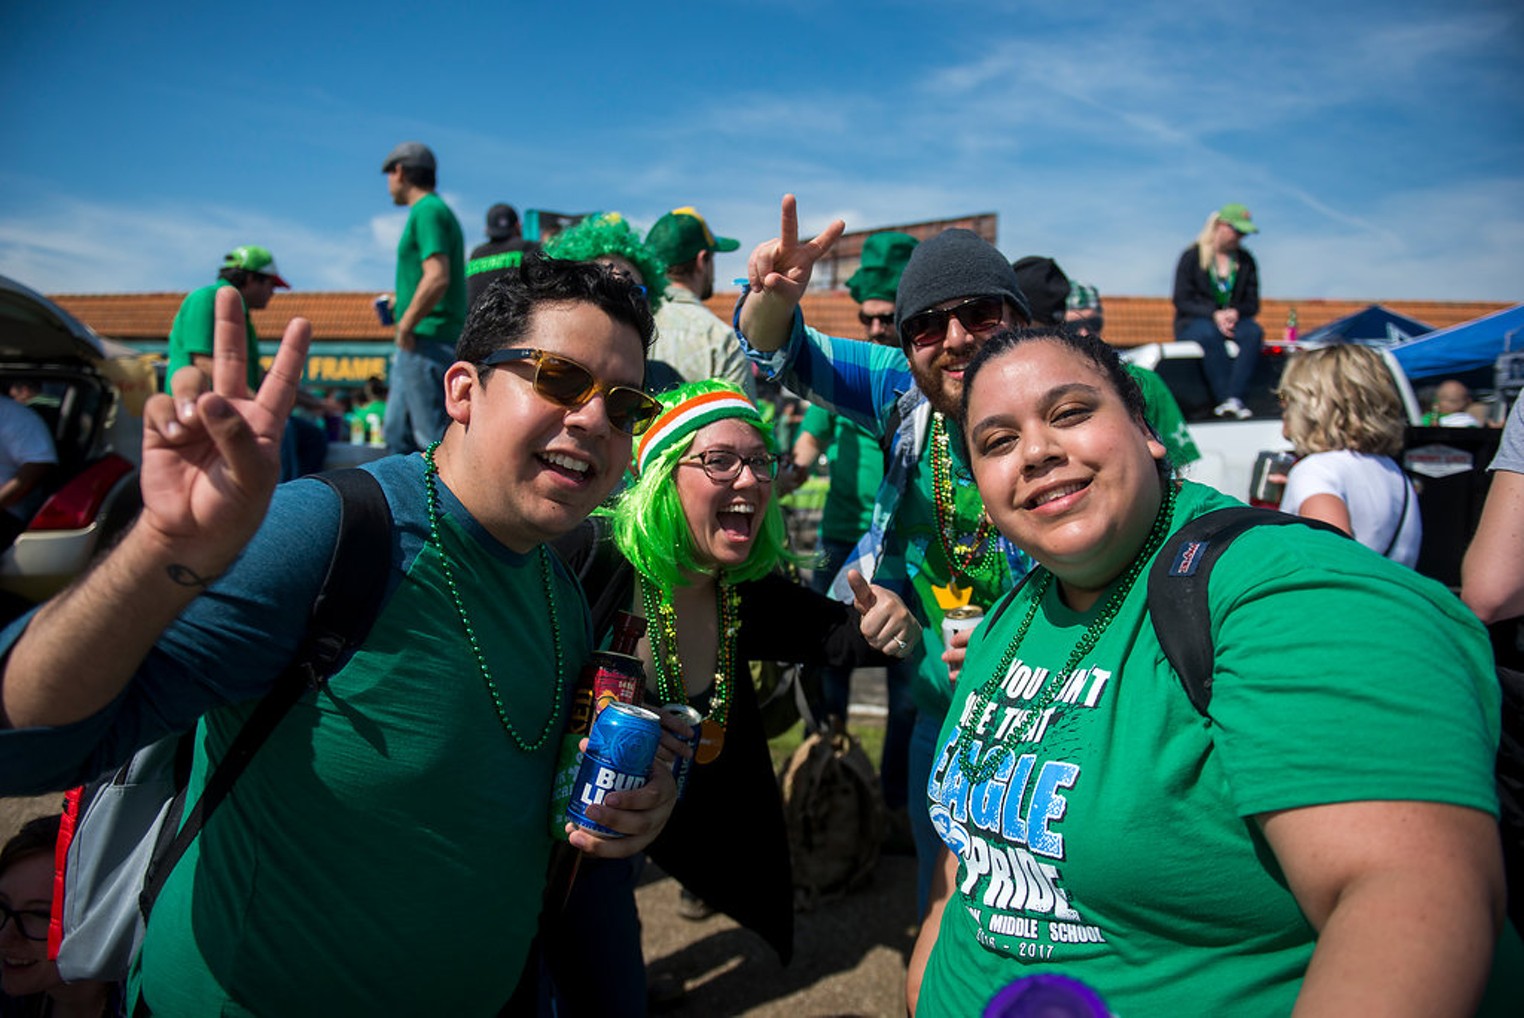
1130	321
147	316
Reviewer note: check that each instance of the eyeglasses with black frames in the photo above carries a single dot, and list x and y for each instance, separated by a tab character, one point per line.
977	314
33	925
566	383
723	465
884	321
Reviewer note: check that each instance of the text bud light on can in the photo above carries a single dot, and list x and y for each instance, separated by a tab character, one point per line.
620	751
682	766
958	620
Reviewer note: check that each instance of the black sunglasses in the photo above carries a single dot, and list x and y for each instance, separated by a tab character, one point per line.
977	314
1086	326
33	925
566	383
885	321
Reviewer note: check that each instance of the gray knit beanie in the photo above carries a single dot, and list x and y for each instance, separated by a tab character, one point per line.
954	263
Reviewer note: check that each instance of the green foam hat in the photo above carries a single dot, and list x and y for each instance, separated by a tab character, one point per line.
883	261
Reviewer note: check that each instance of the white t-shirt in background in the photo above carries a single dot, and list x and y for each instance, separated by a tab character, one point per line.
1373	487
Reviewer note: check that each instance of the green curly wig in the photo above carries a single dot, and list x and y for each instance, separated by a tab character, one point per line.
650	529
609	233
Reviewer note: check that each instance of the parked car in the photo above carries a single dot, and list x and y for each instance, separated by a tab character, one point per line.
78	390
1230	448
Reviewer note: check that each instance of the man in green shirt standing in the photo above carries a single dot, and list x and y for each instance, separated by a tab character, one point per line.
251	271
431	300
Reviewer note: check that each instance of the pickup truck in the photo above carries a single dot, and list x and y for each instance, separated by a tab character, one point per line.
1229	448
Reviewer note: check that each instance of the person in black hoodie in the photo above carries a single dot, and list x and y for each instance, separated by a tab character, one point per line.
1216	298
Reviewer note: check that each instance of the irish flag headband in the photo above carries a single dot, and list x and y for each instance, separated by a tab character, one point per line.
683	419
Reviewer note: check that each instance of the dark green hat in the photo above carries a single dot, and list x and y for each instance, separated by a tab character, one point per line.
681	234
883	259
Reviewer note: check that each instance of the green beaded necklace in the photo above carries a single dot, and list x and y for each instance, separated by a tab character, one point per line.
431	495
997	753
944	502
668	662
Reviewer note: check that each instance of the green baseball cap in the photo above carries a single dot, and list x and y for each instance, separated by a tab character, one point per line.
253	258
681	234
883	260
1237	216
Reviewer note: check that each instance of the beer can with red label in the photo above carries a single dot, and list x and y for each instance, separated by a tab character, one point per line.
616	678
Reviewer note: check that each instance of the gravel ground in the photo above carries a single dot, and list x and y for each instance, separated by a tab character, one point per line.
849	954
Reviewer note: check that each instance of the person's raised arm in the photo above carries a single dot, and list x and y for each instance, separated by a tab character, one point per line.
1492	573
210	463
1364	874
778	272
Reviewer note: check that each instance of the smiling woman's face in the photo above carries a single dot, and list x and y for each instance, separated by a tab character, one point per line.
27	886
723	516
1065	471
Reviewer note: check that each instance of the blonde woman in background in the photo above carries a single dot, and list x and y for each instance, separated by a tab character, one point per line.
1344	418
1216	298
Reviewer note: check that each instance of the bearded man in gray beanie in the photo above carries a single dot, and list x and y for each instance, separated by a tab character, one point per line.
930	540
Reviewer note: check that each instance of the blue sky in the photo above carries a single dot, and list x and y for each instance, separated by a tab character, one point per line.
1379	145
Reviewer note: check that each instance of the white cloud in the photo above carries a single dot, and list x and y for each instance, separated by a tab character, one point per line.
73	245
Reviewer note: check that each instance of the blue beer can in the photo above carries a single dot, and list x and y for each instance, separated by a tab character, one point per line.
620	751
383	306
683	766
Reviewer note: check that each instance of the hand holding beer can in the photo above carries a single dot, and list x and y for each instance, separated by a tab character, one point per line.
620	752
959	620
682	766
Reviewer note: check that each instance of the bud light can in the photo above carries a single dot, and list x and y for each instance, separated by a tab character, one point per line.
383	304
620	751
683	765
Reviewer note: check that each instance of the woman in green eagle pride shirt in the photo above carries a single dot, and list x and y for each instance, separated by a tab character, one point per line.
1326	841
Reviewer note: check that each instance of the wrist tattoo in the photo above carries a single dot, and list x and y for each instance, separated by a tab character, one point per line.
185	576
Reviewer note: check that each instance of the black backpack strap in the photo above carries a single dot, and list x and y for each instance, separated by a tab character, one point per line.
590	554
1177	590
346	605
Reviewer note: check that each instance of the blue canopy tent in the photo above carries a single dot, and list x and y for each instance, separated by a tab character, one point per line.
1375	324
1464	347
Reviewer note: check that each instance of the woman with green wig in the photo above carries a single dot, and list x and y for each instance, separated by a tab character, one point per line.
609	238
699	538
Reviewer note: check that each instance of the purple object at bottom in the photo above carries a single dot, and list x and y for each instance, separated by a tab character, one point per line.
1046	996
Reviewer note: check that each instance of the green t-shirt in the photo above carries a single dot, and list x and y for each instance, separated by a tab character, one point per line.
1118	848
857	469
432	229
1164	416
194	328
399	765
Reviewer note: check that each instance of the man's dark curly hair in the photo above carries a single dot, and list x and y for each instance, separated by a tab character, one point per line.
502	314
